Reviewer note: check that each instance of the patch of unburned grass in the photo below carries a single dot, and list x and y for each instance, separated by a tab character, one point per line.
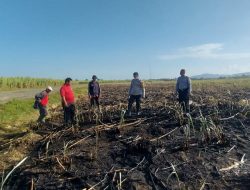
16	113
226	84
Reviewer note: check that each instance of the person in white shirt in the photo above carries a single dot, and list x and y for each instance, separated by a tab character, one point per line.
136	92
184	89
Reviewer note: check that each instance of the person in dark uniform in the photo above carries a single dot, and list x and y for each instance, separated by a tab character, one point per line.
94	92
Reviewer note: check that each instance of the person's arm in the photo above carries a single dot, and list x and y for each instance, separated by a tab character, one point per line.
99	89
89	89
130	89
189	86
62	92
64	101
177	86
143	90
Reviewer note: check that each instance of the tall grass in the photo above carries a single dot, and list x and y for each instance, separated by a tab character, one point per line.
204	84
229	83
26	82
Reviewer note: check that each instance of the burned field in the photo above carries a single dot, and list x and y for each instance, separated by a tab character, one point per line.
161	149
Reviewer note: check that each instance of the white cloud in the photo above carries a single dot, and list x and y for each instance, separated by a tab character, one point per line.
205	51
236	68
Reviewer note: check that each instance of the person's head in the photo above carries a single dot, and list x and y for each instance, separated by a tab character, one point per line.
49	89
136	75
68	80
94	77
182	72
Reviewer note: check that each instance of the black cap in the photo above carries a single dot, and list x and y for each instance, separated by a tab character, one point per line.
135	73
68	80
94	77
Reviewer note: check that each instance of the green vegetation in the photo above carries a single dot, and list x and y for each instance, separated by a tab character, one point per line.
239	83
9	83
14	83
16	113
223	83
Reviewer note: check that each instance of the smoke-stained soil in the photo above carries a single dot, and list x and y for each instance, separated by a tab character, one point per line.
160	149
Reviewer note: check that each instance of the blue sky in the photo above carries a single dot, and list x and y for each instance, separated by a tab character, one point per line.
114	38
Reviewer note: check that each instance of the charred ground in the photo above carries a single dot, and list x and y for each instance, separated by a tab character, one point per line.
161	149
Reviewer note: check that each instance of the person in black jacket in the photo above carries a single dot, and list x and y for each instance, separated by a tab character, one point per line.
94	92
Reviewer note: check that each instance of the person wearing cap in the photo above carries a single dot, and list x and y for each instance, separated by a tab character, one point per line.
68	101
136	92
94	92
41	101
184	89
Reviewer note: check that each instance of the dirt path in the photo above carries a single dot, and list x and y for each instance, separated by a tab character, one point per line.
20	94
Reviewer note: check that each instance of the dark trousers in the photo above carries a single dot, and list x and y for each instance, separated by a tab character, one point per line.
69	114
43	112
132	99
184	100
94	101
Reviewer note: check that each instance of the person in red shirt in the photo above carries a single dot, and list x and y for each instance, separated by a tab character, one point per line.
68	101
41	101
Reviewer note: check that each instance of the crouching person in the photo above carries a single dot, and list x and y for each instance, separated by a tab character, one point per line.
184	89
41	101
136	92
68	102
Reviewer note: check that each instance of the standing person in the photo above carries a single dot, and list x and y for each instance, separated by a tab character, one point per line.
136	92
184	89
94	92
68	101
41	101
